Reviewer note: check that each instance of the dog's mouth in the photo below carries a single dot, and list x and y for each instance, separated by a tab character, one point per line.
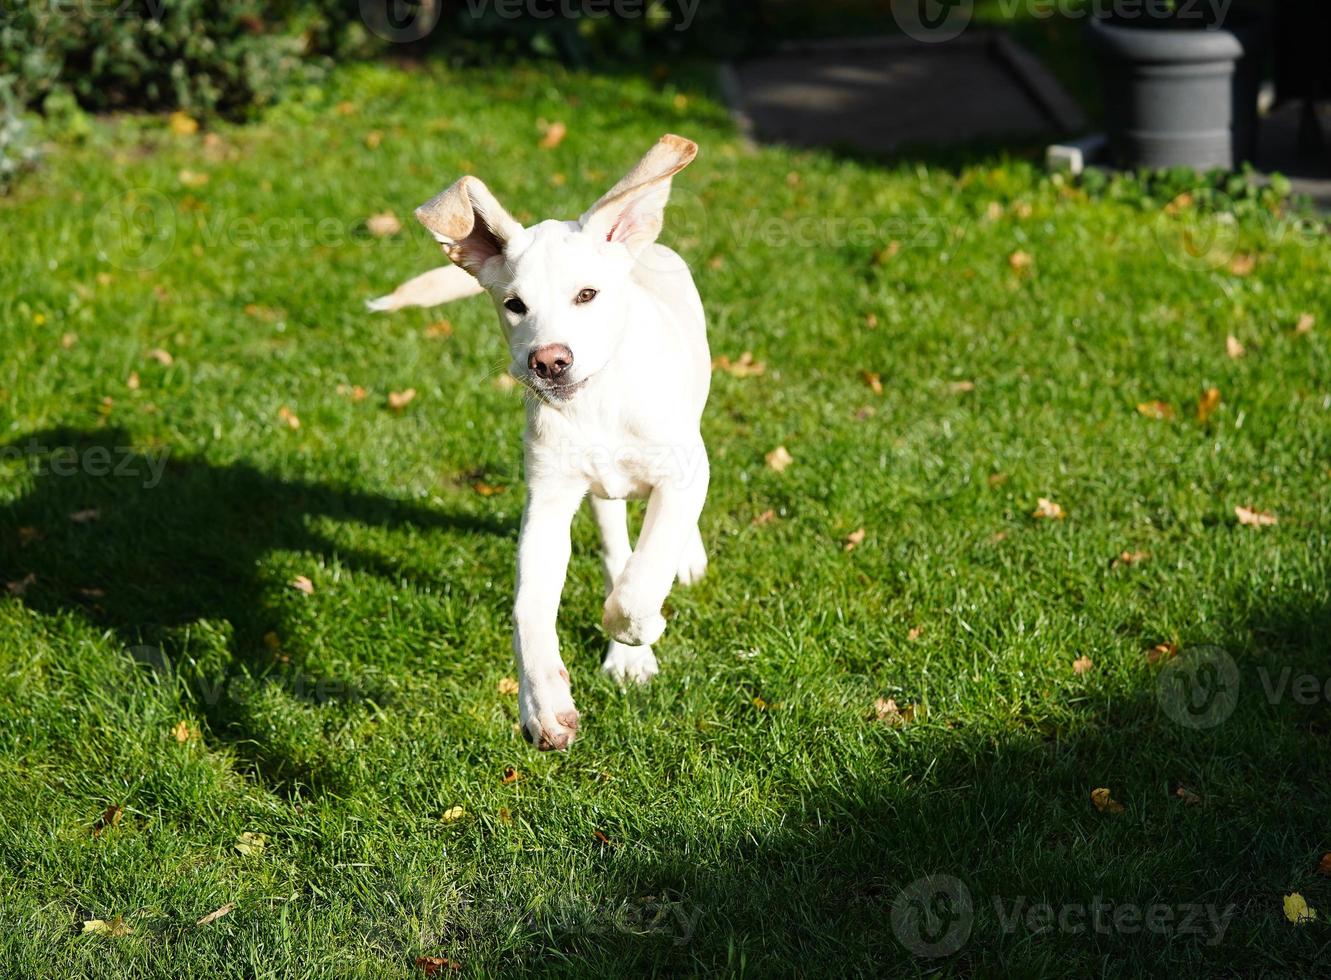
553	391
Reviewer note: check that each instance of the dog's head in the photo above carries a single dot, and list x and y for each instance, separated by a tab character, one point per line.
561	287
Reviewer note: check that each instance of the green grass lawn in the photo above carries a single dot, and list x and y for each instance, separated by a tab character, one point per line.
748	813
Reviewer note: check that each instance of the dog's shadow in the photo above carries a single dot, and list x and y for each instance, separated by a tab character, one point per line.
148	546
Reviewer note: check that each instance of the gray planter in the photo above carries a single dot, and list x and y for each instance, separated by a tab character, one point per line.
1180	98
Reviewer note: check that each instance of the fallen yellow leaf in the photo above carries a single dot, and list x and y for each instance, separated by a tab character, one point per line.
1243	264
1255	518
183	124
1081	665
301	583
453	813
162	357
886	711
1161	651
1234	348
251	844
1298	911
383	225
511	775
779	458
106	927
132	382
181	731
874	382
398	400
439	330
554	135
216	914
1306	323
1020	261
1106	803
742	367
766	517
1048	510
1207	404
110	818
1156	410
289	417
508	686
854	539
192	178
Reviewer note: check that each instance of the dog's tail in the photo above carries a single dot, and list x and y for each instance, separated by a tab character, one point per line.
436	287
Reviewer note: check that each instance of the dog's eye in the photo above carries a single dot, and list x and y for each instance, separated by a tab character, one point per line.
515	306
586	296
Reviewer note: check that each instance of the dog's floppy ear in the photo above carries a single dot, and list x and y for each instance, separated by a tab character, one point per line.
472	226
633	212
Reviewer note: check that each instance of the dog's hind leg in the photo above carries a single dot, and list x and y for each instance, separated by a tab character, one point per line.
622	662
693	562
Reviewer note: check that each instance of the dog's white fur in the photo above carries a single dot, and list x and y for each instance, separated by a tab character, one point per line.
623	422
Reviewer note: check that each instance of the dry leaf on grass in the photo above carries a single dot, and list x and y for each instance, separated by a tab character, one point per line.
887	253
398	400
161	356
110	818
1306	323
1188	797
601	838
434	965
132	382
508	686
488	489
1046	509
355	392
742	367
1156	410
192	178
27	535
1234	348
886	711
511	775
1106	803
766	517
68	340
553	135
106	927
874	382
181	731
288	417
1298	911
914	633
251	844
85	516
1207	404
1081	665
183	124
1161	651
1130	558
453	813
854	539
216	914
1180	203
961	387
439	330
302	583
1020	261
1324	864
383	225
1243	264
19	587
372	139
1251	517
779	458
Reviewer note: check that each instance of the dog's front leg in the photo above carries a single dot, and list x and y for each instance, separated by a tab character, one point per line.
633	609
547	714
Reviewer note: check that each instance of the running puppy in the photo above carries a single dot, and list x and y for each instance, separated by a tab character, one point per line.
606	330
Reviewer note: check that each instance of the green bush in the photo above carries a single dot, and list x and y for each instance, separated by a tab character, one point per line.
18	138
204	56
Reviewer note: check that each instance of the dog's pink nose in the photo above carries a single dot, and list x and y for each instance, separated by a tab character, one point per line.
550	362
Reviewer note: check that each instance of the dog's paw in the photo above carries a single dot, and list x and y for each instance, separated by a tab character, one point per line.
547	714
629	665
630	621
693	563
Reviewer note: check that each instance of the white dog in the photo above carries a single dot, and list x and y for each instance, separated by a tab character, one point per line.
606	329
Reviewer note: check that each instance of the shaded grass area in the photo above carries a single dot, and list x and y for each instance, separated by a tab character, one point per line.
744	814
